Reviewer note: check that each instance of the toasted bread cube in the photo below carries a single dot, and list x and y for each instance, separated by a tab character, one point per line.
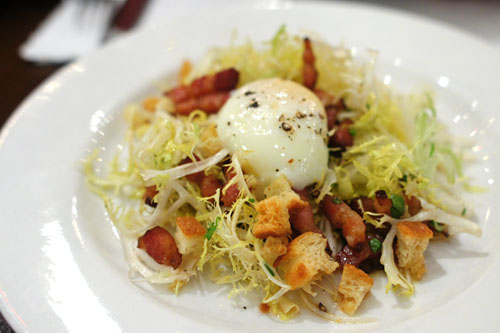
150	103
306	260
353	287
281	187
273	248
272	218
413	238
189	234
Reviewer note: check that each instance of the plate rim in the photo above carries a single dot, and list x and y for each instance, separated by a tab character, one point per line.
24	108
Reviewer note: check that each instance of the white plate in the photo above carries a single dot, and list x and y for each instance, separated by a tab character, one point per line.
61	266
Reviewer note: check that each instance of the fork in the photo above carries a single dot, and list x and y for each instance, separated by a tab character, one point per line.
93	17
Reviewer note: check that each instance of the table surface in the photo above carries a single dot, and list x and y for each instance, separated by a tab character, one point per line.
18	78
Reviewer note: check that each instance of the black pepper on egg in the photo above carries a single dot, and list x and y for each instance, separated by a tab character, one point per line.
286	126
300	114
254	104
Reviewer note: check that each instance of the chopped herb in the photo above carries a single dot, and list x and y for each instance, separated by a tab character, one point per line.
437	226
464	211
269	269
335	185
211	228
376	245
352	131
398	206
336	201
367	105
404	179
433	147
251	200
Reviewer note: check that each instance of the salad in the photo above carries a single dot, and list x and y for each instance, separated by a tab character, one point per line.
284	169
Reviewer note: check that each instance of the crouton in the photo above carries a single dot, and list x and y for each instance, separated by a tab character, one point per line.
189	234
306	260
281	188
150	103
273	248
209	142
272	218
353	287
413	238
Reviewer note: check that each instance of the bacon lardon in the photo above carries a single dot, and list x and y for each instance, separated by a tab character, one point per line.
343	137
341	216
309	73
161	246
232	192
208	93
209	185
302	219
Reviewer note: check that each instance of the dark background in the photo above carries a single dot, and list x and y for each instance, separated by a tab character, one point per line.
18	77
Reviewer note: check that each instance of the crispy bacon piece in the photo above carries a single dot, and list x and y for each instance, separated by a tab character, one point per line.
342	137
382	203
363	256
232	192
196	177
331	116
414	205
341	216
309	73
225	80
264	308
332	106
207	93
209	185
302	219
160	245
210	103
148	196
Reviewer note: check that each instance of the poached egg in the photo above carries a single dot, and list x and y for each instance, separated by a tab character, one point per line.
276	127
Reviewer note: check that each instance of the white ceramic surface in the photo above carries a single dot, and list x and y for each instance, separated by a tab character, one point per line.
61	265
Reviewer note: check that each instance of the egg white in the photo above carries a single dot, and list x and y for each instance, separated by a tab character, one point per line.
276	127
